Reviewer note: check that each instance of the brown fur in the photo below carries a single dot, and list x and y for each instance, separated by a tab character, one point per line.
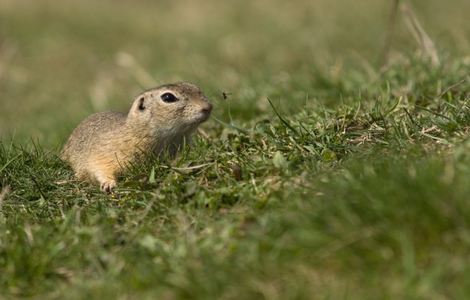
103	144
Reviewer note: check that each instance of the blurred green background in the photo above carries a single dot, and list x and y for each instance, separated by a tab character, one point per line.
62	60
353	185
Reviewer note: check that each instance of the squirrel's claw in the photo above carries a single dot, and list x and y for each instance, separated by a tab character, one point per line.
108	186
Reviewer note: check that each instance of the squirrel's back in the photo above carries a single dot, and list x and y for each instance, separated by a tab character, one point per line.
90	134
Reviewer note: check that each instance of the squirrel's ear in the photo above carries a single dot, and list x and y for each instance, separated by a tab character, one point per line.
141	105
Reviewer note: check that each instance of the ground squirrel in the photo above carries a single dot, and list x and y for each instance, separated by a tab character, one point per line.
160	119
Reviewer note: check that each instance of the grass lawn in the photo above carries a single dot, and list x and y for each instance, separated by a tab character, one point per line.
333	169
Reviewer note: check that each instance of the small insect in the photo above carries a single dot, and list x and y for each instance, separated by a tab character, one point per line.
225	95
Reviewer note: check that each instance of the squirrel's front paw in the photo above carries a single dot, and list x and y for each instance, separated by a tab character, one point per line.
108	186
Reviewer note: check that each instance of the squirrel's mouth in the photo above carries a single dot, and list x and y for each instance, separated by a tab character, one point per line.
203	116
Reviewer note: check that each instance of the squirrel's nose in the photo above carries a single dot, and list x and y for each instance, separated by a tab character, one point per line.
207	108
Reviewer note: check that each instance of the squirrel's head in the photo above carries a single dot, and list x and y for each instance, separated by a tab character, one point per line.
171	108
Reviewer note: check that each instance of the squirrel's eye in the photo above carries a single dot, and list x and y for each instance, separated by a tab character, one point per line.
169	97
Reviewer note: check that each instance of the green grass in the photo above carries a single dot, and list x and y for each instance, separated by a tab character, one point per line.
322	175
